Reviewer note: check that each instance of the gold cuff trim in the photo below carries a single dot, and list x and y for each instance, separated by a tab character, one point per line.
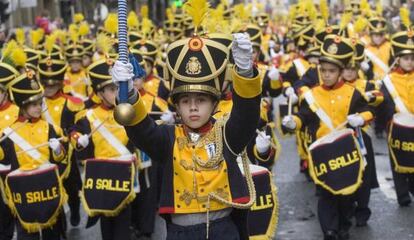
140	112
246	87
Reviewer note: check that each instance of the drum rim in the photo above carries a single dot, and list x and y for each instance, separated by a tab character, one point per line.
20	173
343	133
405	115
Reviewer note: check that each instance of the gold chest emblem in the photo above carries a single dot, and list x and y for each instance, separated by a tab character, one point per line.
333	49
193	66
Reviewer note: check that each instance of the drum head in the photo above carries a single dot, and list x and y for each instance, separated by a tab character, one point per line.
404	119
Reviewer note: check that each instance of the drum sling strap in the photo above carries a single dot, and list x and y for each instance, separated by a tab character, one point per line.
394	94
108	136
22	143
299	67
377	61
46	113
313	105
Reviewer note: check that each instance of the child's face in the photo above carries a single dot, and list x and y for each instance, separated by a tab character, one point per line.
406	62
195	109
86	61
52	90
350	74
108	95
330	73
33	109
75	65
377	38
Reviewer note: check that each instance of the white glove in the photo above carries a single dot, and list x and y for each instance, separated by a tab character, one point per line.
355	120
289	122
168	117
272	44
370	96
55	145
83	140
242	51
378	84
364	66
273	74
273	54
123	72
290	93
262	142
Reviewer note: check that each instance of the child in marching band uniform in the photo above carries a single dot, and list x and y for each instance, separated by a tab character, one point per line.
9	113
201	149
27	132
353	76
59	109
398	98
340	102
92	143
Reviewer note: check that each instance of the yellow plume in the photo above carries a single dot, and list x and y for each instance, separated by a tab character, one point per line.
78	17
198	10
61	36
20	37
311	10
7	50
84	29
292	13
73	33
18	57
242	12
132	20
170	15
224	2
235	25
324	9
345	19
379	9
111	23
144	11
360	24
365	8
146	26
35	37
405	17
50	42
103	43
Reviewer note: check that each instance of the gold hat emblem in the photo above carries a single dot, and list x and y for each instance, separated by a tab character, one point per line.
333	49
193	66
75	52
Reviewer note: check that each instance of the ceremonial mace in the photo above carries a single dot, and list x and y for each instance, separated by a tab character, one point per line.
124	112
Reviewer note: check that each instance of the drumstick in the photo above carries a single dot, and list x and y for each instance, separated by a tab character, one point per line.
340	126
263	136
97	127
12	131
290	105
38	146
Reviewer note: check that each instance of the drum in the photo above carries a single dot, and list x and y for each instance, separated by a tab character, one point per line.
401	142
4	170
336	162
108	186
264	214
36	196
